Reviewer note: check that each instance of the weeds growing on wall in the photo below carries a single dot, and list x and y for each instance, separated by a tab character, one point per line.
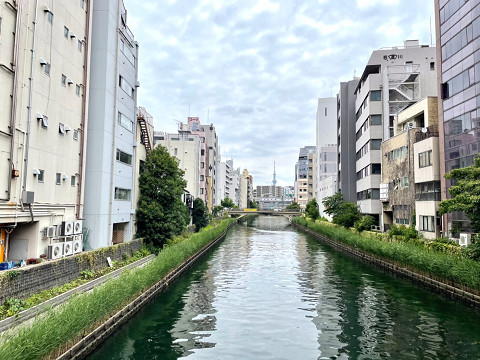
63	326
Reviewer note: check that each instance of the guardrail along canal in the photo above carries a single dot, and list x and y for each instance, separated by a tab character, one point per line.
270	292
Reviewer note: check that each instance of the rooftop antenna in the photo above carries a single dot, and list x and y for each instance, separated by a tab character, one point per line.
354	73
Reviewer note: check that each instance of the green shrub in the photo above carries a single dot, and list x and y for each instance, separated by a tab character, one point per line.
365	223
347	215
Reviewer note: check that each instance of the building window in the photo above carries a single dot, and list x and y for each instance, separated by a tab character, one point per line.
375	144
376	119
46	69
123	157
201	191
175	151
432	65
64	80
202	177
80	45
72	180
425	159
202	165
202	152
75	134
58	178
427	223
65	32
375	95
44	122
125	122
82	4
325	111
50	17
122	194
41	176
125	86
77	90
127	51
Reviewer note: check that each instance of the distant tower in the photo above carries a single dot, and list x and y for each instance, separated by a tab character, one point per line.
274	182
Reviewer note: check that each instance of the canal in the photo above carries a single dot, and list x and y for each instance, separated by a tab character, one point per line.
271	292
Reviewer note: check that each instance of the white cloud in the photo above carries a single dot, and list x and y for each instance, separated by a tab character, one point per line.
258	67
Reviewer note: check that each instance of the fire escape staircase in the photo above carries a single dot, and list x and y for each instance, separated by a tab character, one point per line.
144	133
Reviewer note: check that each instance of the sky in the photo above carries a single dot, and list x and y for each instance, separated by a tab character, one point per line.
256	68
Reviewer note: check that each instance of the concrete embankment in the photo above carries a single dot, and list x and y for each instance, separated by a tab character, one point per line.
443	288
88	343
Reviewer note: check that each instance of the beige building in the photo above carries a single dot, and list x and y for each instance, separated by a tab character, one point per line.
246	189
410	170
44	72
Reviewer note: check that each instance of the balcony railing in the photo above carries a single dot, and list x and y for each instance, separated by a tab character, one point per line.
430	196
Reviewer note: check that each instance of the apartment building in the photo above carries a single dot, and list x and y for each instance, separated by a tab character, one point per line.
346	140
410	170
326	133
110	178
457	38
246	189
44	73
302	173
393	79
186	148
213	159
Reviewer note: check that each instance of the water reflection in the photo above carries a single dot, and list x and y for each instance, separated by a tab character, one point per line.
269	292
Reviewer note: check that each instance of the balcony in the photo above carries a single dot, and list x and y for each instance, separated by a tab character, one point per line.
429	196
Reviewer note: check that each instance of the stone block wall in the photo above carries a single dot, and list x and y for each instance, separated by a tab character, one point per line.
23	282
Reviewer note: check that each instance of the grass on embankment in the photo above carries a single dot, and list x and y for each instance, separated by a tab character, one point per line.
52	334
444	267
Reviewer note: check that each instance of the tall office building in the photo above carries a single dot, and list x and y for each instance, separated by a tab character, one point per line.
393	79
457	32
346	178
110	170
44	74
305	158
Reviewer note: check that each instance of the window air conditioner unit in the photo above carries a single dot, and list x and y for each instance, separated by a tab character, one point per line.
39	116
72	34
411	124
465	239
55	251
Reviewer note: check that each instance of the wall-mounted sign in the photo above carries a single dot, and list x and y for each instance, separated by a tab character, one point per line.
392	57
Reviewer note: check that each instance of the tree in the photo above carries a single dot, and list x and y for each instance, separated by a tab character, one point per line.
365	223
227	203
347	215
161	214
465	193
217	210
312	209
199	214
252	204
333	203
293	206
343	212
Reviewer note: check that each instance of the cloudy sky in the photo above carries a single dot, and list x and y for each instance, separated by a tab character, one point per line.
255	68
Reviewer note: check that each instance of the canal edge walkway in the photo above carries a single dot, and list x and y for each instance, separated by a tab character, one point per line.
85	346
34	311
447	290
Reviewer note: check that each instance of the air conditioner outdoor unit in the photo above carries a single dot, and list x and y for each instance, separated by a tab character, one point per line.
77	226
77	244
411	124
55	251
66	228
465	239
68	247
49	232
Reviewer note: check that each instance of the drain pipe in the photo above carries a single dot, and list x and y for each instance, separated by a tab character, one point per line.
83	124
29	120
114	125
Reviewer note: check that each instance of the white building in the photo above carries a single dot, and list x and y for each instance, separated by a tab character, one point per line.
326	187
110	172
44	52
393	79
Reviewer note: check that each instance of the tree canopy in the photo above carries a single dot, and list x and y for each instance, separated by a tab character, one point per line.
161	214
199	214
227	203
312	209
343	212
293	206
465	193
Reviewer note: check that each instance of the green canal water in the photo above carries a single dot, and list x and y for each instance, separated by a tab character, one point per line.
270	292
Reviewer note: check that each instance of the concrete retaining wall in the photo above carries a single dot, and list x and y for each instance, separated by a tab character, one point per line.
85	346
22	282
449	291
